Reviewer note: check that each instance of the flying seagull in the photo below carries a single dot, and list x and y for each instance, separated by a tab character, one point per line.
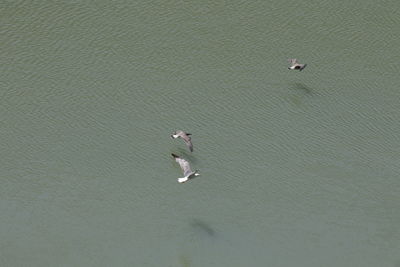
294	65
187	172
185	136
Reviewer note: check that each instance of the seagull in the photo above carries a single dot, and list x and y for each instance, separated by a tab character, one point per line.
187	172
185	137
294	65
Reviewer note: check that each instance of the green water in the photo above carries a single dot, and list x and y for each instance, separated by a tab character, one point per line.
297	168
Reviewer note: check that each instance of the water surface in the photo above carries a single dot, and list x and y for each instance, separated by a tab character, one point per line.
298	168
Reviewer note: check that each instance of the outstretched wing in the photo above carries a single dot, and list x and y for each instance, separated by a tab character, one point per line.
292	61
180	133
184	165
188	142
185	137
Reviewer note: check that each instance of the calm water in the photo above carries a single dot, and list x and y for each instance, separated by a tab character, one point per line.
298	168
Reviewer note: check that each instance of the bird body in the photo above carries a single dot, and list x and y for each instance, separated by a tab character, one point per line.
185	136
187	171
295	65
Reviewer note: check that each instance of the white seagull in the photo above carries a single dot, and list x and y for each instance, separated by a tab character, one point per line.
294	65
185	136
187	171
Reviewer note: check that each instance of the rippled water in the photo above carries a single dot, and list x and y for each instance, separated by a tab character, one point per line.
297	168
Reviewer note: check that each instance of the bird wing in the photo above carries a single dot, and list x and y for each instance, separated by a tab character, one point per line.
292	61
184	165
188	141
180	133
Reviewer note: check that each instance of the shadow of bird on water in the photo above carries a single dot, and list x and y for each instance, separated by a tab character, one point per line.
302	87
203	227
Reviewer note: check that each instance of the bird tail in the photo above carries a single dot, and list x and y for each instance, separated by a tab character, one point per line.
174	155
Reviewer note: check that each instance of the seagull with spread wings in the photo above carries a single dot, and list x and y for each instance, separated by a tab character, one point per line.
185	136
187	171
